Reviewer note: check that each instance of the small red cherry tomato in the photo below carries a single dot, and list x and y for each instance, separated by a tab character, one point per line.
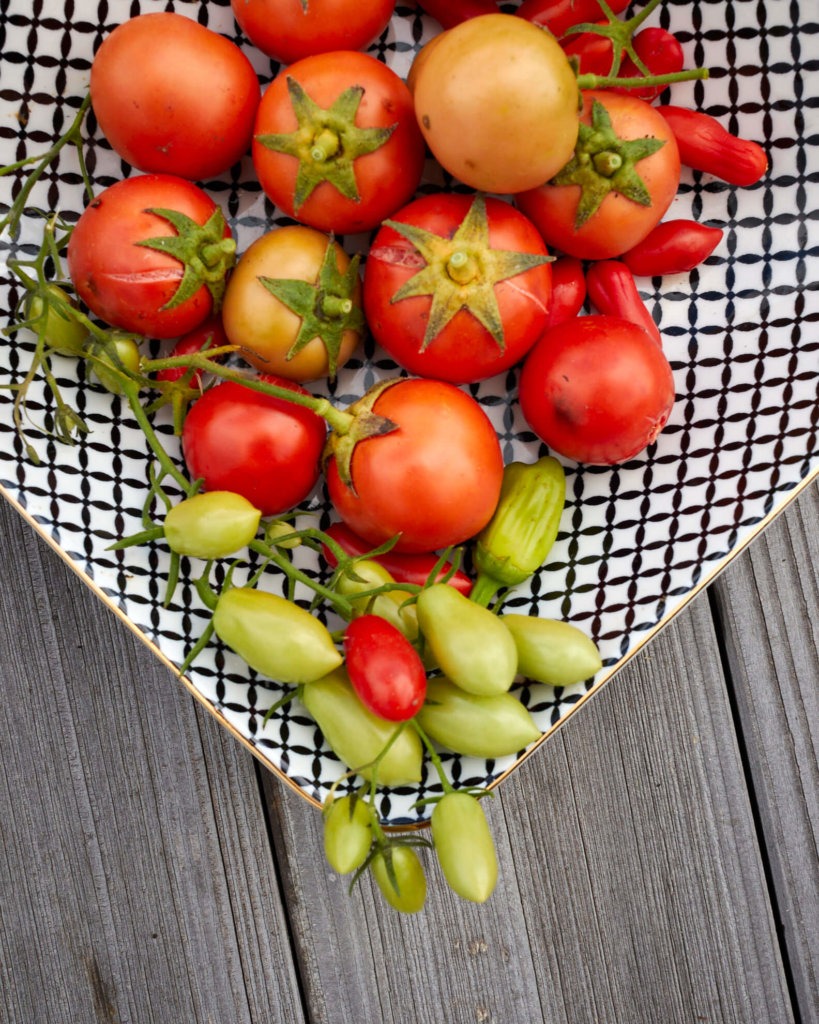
208	335
384	668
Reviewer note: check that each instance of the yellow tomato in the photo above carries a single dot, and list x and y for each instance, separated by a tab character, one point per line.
497	102
293	304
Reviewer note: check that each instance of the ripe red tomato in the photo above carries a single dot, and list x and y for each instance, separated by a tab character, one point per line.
143	288
174	97
289	30
634	191
336	144
435	480
384	668
597	389
261	447
478	281
210	334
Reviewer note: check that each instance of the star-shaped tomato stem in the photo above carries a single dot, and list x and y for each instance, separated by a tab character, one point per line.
202	249
461	271
327	307
327	142
603	163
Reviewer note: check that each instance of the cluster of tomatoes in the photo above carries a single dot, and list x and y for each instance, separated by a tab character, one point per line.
457	287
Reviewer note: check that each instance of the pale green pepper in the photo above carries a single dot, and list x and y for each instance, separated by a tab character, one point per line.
551	651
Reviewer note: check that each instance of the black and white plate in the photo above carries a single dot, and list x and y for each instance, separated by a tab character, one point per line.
636	541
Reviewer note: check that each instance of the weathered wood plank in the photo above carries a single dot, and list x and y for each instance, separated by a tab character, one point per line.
137	881
768	606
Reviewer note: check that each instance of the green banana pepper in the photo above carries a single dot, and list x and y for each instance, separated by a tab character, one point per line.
516	540
390	605
348	833
551	651
464	846
472	646
211	525
476	726
276	637
358	737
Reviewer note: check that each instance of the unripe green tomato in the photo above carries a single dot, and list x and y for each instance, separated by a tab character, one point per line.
120	354
387	605
357	736
62	332
211	525
472	646
274	636
551	651
476	726
464	846
408	892
348	833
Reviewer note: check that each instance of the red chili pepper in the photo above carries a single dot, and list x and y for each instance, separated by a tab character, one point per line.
659	50
705	145
449	13
558	15
568	290
404	568
613	292
673	247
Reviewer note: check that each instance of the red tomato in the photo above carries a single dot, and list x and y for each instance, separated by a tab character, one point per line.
384	668
336	144
210	333
435	479
261	447
620	221
173	97
134	286
288	30
479	284
597	389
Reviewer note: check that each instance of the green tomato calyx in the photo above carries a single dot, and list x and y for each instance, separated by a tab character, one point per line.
461	271
603	163
364	423
203	250
326	143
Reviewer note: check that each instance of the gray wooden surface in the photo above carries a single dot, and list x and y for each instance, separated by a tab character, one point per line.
151	871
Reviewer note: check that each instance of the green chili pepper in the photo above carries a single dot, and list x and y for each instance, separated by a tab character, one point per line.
471	644
551	651
476	726
520	534
358	737
211	525
274	636
464	846
348	833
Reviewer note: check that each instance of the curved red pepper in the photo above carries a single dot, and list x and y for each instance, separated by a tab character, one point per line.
658	49
558	15
404	568
705	145
568	290
449	13
613	292
673	247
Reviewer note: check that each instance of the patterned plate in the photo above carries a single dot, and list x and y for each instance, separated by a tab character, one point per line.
637	541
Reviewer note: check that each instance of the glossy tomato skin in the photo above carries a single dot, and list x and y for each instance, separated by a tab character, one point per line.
619	223
128	284
464	351
190	107
261	447
597	389
435	480
287	32
385	178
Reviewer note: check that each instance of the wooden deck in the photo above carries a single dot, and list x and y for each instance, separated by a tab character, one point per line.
152	871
